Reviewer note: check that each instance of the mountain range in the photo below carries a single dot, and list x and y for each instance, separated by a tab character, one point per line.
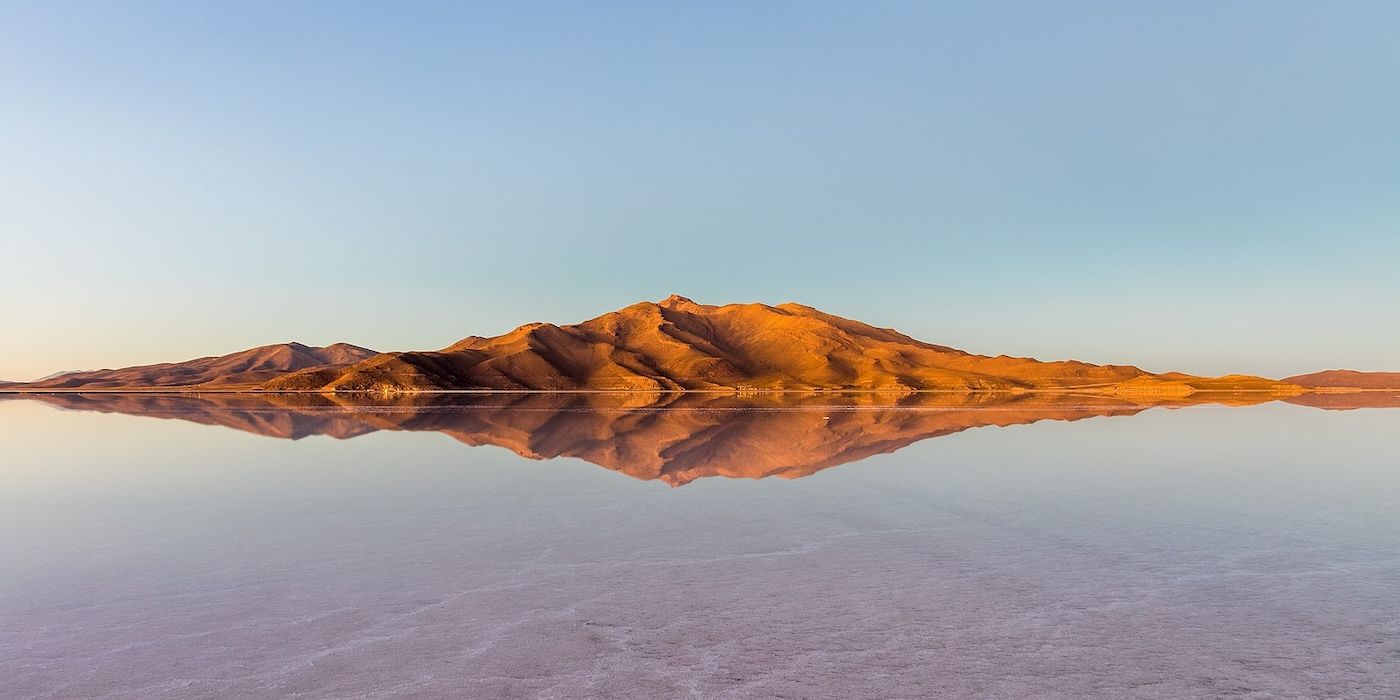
672	345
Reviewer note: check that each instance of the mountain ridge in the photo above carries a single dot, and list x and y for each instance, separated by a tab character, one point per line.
672	345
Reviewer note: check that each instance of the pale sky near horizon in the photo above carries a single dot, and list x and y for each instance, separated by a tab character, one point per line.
1206	187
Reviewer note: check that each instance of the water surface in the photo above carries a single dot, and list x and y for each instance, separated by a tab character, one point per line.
820	548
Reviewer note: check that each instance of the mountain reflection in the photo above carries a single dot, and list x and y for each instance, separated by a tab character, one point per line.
675	438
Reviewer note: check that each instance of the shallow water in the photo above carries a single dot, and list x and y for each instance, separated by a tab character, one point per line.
891	551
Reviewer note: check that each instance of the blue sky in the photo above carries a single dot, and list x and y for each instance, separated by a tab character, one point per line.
1209	187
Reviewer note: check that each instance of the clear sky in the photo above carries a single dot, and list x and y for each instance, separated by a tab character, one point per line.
1202	186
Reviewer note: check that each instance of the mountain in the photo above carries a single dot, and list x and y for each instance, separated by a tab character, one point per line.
675	438
1344	389
677	344
672	345
58	374
246	369
1347	379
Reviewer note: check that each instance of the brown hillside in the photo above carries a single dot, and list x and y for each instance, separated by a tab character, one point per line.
1347	379
248	368
678	344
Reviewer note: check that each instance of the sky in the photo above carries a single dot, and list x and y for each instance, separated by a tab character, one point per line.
1197	186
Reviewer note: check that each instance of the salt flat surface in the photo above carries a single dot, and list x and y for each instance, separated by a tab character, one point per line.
1211	551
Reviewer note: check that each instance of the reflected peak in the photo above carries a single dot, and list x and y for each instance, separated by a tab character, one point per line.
671	437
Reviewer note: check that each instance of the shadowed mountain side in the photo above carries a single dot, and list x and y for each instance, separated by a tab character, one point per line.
671	437
245	369
678	344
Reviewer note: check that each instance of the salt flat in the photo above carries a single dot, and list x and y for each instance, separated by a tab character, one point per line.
1197	552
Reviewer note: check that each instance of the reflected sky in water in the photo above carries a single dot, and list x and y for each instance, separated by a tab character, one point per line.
1207	550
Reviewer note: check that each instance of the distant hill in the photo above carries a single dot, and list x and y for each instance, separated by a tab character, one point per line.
1347	379
677	344
58	374
245	369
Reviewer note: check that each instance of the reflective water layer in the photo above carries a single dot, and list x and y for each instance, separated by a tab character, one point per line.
538	546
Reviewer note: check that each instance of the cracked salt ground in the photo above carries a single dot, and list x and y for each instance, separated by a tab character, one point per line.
1203	552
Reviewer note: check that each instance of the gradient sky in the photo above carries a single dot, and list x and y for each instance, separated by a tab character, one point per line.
1202	186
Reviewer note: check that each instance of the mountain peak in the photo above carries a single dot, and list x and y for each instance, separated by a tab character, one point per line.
676	301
